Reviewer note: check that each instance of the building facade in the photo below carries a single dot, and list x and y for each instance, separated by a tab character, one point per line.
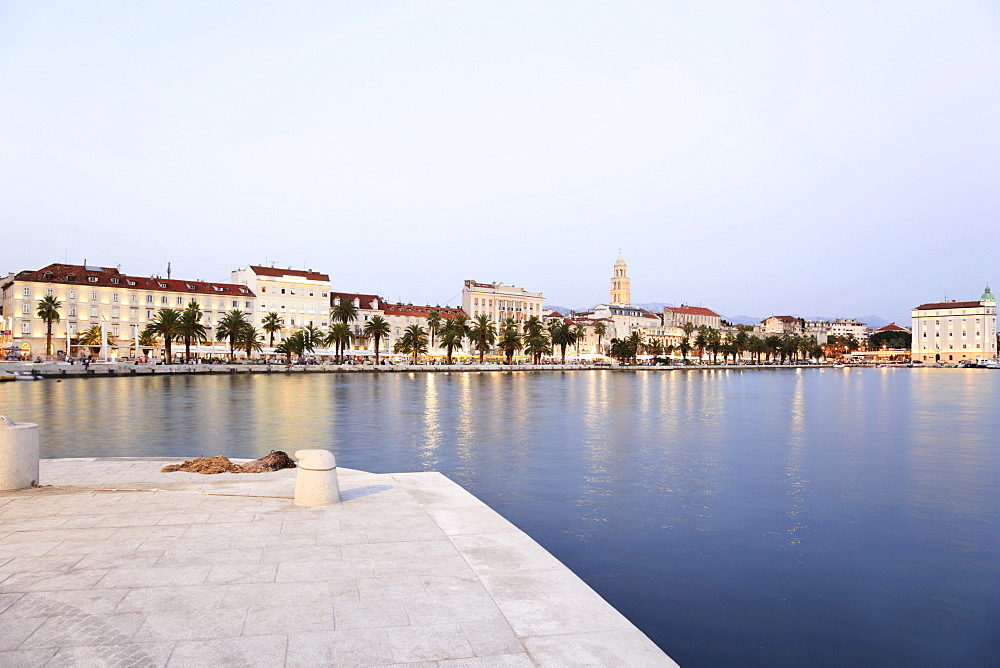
783	324
500	302
677	316
123	305
955	331
299	297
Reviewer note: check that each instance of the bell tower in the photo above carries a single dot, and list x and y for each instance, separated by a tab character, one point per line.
621	293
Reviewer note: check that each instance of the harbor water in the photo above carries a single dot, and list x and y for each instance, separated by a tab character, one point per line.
738	517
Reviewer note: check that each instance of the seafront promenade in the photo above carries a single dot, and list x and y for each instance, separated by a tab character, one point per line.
113	563
63	370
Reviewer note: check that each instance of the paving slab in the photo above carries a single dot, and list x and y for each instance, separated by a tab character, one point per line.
111	562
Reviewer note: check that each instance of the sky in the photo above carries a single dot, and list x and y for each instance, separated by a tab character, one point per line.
815	158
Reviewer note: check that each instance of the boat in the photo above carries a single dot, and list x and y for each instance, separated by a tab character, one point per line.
988	363
27	375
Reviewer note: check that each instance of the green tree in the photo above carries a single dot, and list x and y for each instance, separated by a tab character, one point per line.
48	311
251	340
536	344
92	337
167	325
294	344
147	341
377	329
482	334
230	326
412	342
579	334
562	335
191	327
272	323
510	342
453	332
433	325
344	311
685	347
340	337
600	330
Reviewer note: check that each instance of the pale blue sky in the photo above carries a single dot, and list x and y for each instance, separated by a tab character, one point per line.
816	158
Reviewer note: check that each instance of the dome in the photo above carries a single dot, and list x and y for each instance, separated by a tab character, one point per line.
988	296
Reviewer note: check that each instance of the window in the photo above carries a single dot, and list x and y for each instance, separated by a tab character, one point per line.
180	301
26	308
310	293
115	281
149	314
133	298
292	291
93	311
114	296
115	312
293	322
114	330
26	328
282	290
190	287
130	282
49	292
92	279
72	294
27	292
162	285
163	300
324	294
263	288
93	296
71	327
246	305
72	311
149	299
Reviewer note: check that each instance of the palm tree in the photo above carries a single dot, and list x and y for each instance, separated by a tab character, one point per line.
510	343
453	332
314	335
191	327
482	334
250	340
92	337
147	341
340	336
532	326
580	332
377	329
48	311
344	311
229	328
167	324
536	344
272	323
634	341
433	324
295	344
685	347
412	342
563	335
601	330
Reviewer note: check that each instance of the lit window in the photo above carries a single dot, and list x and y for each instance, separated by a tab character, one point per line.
114	296
26	328
26	308
27	292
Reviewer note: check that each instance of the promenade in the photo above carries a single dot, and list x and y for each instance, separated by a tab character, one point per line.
114	563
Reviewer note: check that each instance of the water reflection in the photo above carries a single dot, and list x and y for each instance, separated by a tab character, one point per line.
813	517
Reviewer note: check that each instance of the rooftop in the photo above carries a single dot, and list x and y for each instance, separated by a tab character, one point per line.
84	276
114	563
307	274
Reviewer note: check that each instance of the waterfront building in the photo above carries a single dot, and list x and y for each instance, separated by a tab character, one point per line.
500	301
891	327
401	316
368	306
299	297
620	316
952	331
783	324
677	316
822	330
122	304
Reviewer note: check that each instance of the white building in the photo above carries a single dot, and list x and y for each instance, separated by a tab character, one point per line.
954	331
300	297
500	301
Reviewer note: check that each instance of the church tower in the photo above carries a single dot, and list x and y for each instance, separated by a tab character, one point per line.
621	294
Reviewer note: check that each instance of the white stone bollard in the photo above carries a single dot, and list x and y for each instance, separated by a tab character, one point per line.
18	454
316	482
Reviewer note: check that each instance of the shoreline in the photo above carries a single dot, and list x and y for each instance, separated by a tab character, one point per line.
63	370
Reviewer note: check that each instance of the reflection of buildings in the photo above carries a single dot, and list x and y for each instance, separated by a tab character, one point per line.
954	331
91	295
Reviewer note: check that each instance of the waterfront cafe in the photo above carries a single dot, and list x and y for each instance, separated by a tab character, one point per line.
885	356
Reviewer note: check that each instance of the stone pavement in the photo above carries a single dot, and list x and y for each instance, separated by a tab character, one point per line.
183	569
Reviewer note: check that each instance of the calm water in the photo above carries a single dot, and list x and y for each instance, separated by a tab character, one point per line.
781	517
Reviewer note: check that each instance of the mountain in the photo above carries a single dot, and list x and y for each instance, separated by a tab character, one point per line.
559	309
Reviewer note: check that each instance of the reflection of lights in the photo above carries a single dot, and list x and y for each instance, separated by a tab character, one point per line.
432	425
